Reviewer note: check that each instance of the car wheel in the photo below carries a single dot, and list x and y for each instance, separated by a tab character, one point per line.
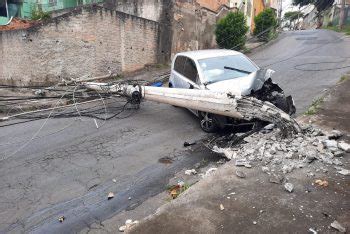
208	122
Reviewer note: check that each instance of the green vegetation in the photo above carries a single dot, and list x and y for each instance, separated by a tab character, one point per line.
38	14
345	30
231	31
320	5
343	78
293	15
315	106
265	25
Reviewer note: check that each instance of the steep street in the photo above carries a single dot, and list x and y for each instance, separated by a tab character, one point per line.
70	169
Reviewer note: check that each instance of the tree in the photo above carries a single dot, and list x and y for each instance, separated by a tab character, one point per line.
292	16
231	31
265	24
320	5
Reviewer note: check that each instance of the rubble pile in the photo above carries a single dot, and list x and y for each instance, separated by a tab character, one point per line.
283	155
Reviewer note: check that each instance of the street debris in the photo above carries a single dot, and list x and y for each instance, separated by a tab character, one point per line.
312	231
209	172
322	183
344	146
254	222
222	207
191	172
338	226
243	162
240	174
61	219
343	171
176	190
282	156
289	187
114	181
335	134
110	196
128	224
186	144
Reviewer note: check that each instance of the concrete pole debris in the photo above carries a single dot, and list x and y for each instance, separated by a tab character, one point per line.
225	104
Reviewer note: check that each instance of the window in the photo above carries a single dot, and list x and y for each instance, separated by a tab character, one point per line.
179	64
190	70
216	69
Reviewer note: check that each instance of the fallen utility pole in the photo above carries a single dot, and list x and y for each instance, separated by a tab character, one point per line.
226	104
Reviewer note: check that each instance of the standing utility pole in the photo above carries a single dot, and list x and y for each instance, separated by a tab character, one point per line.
342	14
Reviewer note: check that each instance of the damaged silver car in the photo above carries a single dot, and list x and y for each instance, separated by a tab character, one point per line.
226	71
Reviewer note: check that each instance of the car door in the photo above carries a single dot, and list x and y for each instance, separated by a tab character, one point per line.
190	75
177	71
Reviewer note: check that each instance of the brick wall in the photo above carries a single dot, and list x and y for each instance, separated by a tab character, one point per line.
88	41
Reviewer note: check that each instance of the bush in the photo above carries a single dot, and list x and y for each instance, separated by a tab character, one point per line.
231	31
265	24
38	14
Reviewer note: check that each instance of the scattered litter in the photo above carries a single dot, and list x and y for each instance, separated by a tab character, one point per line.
128	224
129	198
186	144
114	181
240	174
176	190
330	144
209	172
312	231
191	172
61	219
289	187
110	195
338	226
344	146
122	228
254	222
229	154
343	171
335	134
222	207
96	123
311	148
323	183
269	127
242	163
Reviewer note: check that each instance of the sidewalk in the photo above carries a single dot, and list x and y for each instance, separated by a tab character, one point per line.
225	203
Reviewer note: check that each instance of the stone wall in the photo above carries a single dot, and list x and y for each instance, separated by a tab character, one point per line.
193	27
88	41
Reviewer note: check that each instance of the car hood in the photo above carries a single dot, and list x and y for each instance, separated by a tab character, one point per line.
242	85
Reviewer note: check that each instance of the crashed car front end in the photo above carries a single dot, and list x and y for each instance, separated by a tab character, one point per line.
258	85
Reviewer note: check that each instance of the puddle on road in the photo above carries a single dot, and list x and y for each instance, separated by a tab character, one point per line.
166	160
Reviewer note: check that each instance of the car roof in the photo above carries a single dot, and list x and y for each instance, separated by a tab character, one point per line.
202	54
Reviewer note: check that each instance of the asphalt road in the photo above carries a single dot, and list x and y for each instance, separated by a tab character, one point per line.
69	170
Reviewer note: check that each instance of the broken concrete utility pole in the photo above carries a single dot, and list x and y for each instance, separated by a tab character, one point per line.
225	104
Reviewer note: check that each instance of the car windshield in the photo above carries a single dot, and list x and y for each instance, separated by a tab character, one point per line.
226	68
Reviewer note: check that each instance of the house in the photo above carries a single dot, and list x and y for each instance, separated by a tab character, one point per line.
331	17
250	8
26	8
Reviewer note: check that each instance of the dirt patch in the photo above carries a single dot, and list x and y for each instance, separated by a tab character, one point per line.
18	24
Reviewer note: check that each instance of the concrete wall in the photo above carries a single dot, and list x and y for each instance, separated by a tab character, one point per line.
86	42
193	27
148	9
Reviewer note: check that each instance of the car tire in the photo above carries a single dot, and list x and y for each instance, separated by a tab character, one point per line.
208	122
